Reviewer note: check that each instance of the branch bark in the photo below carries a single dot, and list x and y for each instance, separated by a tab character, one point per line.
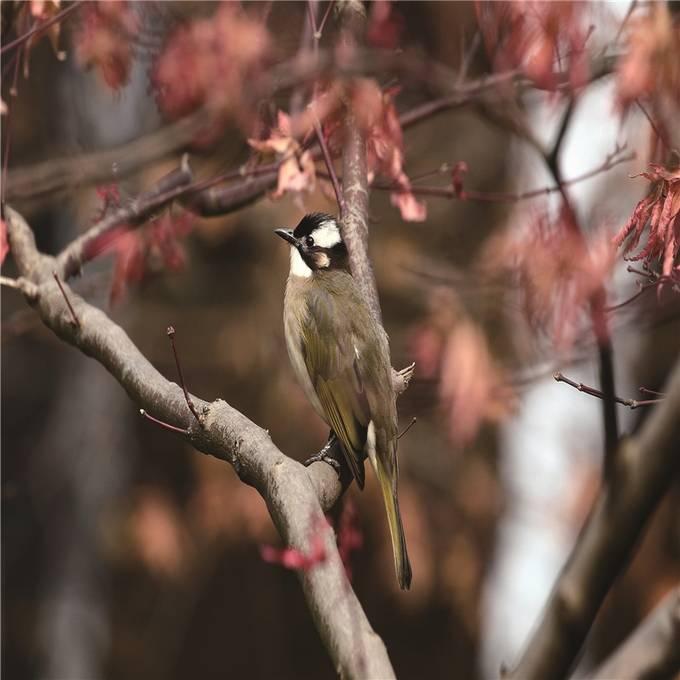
296	496
642	470
652	650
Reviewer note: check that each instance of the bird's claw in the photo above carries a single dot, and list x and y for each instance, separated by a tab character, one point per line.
324	456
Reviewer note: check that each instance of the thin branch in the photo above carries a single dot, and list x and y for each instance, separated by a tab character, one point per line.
329	165
291	491
660	135
74	317
598	300
28	288
498	196
41	26
171	335
164	425
593	392
645	390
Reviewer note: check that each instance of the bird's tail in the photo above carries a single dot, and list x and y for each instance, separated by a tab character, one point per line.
402	565
387	473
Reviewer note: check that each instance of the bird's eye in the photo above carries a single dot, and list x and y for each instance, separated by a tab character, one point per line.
309	241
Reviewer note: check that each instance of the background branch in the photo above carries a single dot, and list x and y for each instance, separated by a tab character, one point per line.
652	650
643	470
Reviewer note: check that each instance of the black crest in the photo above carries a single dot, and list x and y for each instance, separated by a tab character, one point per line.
311	222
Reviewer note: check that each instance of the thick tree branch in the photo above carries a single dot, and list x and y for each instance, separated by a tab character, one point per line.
291	491
643	469
652	650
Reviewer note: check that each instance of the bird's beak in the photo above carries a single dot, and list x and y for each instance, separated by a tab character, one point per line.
286	235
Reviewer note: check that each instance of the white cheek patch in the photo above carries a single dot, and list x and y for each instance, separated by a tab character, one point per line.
297	264
327	235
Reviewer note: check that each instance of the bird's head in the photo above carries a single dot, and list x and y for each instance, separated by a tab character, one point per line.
316	245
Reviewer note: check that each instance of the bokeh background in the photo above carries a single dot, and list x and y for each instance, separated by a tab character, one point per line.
125	553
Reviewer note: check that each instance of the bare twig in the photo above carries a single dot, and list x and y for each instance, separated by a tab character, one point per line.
414	420
654	393
329	165
660	135
499	196
182	384
74	318
164	425
28	288
593	392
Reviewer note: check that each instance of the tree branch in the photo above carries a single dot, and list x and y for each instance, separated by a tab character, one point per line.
291	491
56	175
643	469
652	650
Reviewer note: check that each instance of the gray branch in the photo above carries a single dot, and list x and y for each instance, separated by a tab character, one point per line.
652	650
643	469
291	491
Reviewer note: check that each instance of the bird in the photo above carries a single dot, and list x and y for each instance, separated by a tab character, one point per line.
340	355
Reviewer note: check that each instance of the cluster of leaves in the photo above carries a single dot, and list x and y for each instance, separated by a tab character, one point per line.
534	36
208	62
451	348
557	272
659	213
139	252
104	40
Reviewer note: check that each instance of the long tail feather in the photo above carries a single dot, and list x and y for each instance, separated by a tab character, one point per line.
402	565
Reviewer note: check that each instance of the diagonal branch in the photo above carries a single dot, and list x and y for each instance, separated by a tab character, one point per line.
643	469
652	650
291	491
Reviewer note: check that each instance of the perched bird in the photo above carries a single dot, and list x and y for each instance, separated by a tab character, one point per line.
341	357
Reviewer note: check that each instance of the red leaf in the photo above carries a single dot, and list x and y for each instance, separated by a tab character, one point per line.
208	62
103	40
292	558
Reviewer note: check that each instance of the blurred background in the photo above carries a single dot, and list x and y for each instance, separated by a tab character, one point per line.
126	553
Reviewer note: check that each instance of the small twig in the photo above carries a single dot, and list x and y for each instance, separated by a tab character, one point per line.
467	57
329	165
190	404
28	288
645	390
495	196
408	427
41	26
652	122
74	319
165	426
629	13
325	17
593	392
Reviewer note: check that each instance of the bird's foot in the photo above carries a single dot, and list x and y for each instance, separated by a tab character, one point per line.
324	456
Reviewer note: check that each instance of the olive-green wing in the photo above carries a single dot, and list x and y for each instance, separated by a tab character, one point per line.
331	355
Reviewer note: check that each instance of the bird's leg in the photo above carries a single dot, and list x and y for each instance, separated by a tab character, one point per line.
324	456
